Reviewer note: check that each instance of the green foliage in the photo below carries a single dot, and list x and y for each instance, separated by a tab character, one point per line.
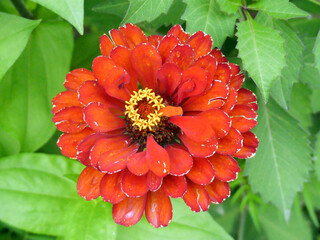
113	7
316	52
229	6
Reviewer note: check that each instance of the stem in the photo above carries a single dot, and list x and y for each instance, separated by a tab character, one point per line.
315	2
242	224
21	8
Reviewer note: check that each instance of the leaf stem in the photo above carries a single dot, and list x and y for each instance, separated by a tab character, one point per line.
315	2
242	224
21	8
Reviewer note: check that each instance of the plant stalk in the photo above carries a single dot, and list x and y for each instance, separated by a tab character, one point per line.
21	8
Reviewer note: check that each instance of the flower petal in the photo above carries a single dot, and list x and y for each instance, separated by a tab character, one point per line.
218	191
101	66
65	99
105	45
137	163
177	31
174	186
167	43
223	73
110	188
243	118
196	197
202	171
68	142
198	149
250	144
133	34
154	40
237	81
158	209
157	158
100	118
76	77
246	97
226	167
201	43
133	185
208	63
118	38
231	101
182	55
129	211
69	120
169	78
218	120
146	60
180	160
219	56
154	182
231	143
88	184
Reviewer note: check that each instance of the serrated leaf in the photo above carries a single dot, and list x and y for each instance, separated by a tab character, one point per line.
282	9
32	82
205	15
14	35
259	45
117	7
316	52
315	100
145	10
34	193
229	6
71	10
282	162
316	156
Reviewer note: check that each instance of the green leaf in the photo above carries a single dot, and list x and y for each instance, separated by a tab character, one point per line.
34	193
9	145
29	86
229	6
259	45
306	27
315	100
316	156
71	10
282	162
145	10
309	205
282	9
316	52
14	34
205	15
117	7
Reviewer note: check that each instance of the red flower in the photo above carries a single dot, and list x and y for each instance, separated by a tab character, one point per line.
158	117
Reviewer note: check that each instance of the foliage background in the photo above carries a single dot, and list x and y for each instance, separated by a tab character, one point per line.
277	42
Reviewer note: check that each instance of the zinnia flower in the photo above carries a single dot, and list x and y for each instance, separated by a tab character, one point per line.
158	117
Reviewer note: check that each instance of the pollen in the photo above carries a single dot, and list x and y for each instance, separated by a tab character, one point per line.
143	109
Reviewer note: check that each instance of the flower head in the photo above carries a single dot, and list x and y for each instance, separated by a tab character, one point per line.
158	117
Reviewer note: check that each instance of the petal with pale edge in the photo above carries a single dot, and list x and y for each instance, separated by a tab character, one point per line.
133	185
129	211
231	101
167	43
201	43
196	197
105	45
137	163
154	40
118	38
65	99
223	73
76	77
219	56
110	188
243	118
180	160
177	31
198	149
231	143
202	171
182	55
169	78
246	97
226	167
88	184
133	34
154	182
208	63
158	209
69	120
250	144
218	191
174	186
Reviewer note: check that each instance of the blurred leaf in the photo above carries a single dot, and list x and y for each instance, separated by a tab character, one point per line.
309	204
9	145
35	78
259	45
315	100
314	188
306	27
51	146
145	10
8	7
316	156
316	52
229	6
34	194
117	7
282	161
311	6
14	35
205	15
71	10
282	9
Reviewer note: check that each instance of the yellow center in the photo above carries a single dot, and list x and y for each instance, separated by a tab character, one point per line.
143	109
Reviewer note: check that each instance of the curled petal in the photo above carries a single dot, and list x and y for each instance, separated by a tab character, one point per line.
174	186
223	73
231	101
218	191
219	56
105	45
129	211
177	31
154	40
208	63
137	163
167	43
118	38
201	43
169	78
133	34
88	184
246	97
101	67
198	149
202	171
196	197
158	209
110	188
133	185
243	118
180	160
250	144
65	99
231	143
69	120
237	81
76	77
154	182
226	167
182	55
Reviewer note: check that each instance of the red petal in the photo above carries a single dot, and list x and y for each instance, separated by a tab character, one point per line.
70	120
218	191
137	163
65	99
202	171
218	120
154	40
89	183
110	188
177	31
231	101
101	67
182	55
167	43
133	34
68	142
157	158
105	45
201	133
212	99
180	160
218	55
208	63
100	119
196	197
118	38
201	43
246	97
154	182
169	78
237	81
226	167
231	143
199	149
174	187
84	148
158	209
76	77
243	118
146	60
129	211
223	73
133	185
250	144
